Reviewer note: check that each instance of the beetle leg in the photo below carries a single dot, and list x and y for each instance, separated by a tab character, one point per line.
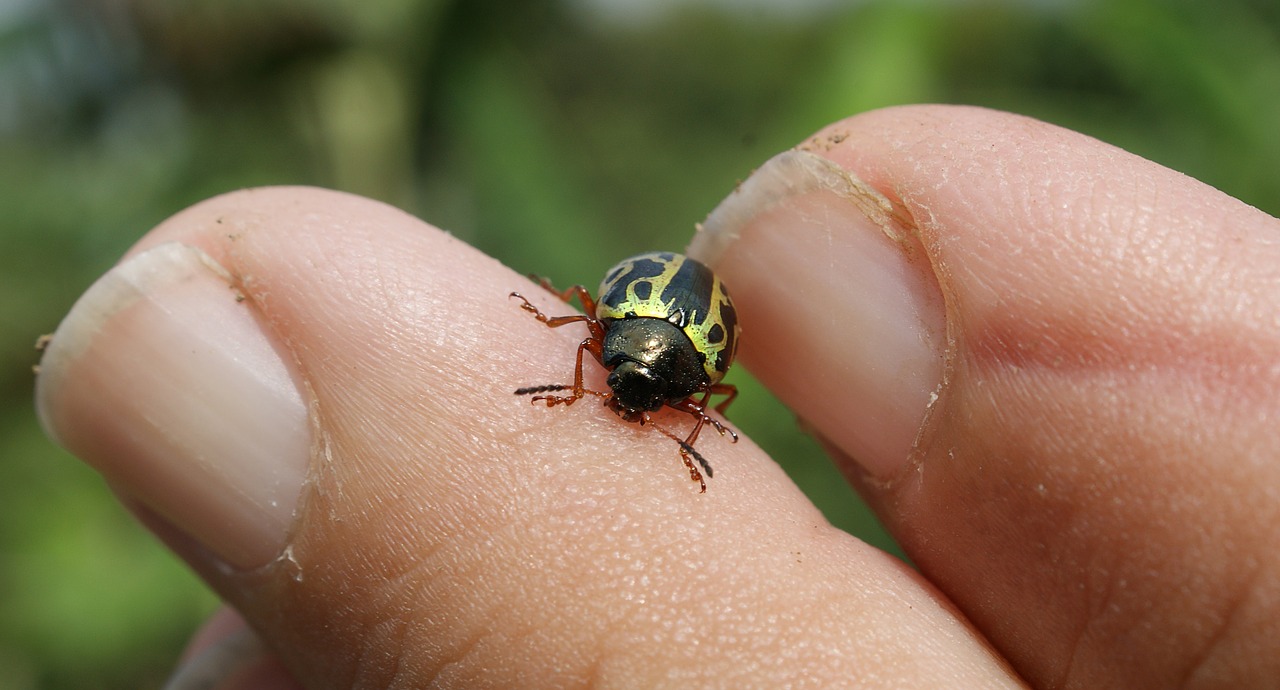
593	324
694	474
567	295
551	321
721	428
588	304
727	389
731	391
698	410
589	345
687	453
721	389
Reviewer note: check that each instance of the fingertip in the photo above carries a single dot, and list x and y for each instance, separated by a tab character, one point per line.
842	315
163	379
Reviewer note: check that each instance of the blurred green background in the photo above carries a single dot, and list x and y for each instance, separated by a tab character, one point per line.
556	136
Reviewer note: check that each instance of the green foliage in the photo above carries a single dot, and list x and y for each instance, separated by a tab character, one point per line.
553	138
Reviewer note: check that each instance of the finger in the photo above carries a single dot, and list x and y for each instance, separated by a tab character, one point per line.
448	532
227	655
1051	367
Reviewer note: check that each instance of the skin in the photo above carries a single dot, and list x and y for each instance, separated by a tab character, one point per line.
1090	500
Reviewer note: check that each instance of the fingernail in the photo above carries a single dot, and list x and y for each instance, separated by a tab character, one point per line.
842	315
162	378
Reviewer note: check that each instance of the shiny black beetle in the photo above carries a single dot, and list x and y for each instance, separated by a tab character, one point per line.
664	327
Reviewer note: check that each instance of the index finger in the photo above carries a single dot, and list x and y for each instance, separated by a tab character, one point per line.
447	531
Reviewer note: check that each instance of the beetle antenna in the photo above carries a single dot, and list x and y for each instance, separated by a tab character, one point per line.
543	389
706	466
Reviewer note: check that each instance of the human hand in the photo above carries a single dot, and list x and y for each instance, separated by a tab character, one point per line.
1050	367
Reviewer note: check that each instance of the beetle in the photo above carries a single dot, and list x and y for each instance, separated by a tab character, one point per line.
664	327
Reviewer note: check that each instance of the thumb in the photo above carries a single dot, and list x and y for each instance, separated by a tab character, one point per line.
1049	365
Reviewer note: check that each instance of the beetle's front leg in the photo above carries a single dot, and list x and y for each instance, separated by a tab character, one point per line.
698	410
596	348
